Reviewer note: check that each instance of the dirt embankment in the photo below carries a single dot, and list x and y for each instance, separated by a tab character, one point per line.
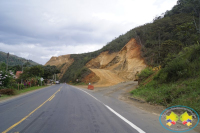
62	62
91	78
106	77
128	61
107	68
102	60
118	67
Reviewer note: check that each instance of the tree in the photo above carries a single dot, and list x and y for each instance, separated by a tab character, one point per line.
36	71
3	66
49	71
5	78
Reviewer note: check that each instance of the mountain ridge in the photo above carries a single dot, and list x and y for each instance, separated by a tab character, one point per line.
14	60
160	41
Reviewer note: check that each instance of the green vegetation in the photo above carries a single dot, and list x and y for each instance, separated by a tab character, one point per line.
161	40
79	83
30	77
10	92
177	83
169	41
14	60
29	89
77	69
145	73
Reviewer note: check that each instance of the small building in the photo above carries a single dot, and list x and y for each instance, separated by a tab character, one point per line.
18	74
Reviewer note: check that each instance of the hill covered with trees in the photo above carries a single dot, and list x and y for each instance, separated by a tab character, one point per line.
14	60
161	40
176	47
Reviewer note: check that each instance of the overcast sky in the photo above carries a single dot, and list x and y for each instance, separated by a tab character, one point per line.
40	29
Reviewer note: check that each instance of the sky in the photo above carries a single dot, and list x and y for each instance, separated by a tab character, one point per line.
39	29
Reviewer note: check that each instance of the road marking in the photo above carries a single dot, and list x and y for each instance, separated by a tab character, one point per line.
52	97
117	114
124	119
14	125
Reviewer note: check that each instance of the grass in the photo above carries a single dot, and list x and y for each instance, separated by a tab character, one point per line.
145	73
81	83
28	89
185	92
4	96
178	83
17	92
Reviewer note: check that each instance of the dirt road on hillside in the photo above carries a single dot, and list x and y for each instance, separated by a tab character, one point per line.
107	78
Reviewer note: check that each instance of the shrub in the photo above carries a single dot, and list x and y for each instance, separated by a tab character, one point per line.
186	64
145	73
21	86
7	91
195	53
14	86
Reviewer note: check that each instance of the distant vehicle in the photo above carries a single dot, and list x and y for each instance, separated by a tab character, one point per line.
57	82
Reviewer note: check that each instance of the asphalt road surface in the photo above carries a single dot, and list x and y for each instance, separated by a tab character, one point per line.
66	109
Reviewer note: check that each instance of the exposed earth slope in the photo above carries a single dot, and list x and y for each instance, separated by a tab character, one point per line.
102	60
107	77
62	62
118	67
107	68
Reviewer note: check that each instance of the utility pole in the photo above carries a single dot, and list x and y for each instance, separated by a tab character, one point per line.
7	61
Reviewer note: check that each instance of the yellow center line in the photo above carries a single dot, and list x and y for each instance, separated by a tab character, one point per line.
14	125
52	98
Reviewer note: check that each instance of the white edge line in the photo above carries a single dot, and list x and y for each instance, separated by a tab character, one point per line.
117	114
127	121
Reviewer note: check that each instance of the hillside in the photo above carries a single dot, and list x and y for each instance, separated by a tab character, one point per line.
107	68
15	60
176	84
62	63
159	42
118	67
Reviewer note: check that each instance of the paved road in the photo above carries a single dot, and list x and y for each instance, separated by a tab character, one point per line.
66	109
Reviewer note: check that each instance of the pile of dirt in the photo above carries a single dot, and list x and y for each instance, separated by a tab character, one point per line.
62	62
107	78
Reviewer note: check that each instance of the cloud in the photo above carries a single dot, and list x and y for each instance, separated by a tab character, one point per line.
70	25
41	54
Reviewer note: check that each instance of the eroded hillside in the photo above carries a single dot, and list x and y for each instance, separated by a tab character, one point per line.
118	67
102	60
62	62
107	68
